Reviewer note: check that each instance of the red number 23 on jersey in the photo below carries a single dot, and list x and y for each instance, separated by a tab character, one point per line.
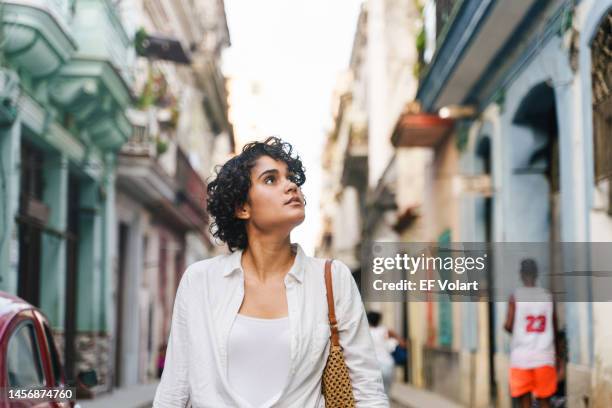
536	324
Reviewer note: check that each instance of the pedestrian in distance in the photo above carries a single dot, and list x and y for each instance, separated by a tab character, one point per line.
531	321
251	328
161	360
385	342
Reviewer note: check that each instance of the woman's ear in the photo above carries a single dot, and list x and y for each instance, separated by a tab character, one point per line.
243	212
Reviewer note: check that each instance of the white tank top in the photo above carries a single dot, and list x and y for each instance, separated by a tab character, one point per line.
258	345
532	332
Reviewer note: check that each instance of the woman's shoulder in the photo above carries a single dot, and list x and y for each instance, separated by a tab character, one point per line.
340	271
200	269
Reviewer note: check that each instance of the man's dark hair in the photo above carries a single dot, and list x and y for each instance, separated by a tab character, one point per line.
229	190
529	270
374	318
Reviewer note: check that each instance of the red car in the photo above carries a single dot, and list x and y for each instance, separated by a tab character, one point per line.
28	356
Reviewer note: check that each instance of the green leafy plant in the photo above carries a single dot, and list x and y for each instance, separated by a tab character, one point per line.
420	47
462	135
155	91
161	146
420	42
147	96
141	41
500	98
174	118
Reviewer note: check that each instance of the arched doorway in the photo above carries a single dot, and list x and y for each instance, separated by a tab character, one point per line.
536	160
537	180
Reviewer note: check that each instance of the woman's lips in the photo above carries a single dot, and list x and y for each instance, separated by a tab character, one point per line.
294	200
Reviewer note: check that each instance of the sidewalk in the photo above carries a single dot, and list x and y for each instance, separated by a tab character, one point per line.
138	396
411	397
141	396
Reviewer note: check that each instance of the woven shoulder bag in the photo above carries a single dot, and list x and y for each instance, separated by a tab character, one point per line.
336	384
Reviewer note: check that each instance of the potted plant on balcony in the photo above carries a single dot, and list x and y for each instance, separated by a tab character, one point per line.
161	146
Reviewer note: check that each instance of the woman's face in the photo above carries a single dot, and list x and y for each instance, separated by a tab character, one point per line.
274	201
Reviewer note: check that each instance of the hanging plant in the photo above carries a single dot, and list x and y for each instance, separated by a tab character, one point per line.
161	146
160	90
420	42
500	99
147	96
175	115
420	47
141	41
155	91
462	135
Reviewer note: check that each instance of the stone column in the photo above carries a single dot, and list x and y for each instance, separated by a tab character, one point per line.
107	306
10	143
53	267
380	149
89	276
131	310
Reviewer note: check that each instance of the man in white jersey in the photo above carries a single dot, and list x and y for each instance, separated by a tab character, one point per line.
531	321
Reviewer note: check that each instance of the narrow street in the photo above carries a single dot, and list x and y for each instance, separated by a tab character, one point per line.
453	157
141	396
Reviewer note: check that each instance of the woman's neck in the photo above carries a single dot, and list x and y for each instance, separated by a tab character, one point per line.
268	259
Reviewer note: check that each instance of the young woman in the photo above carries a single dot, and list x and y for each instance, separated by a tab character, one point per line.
250	329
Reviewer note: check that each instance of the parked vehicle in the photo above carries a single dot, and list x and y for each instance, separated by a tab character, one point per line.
28	356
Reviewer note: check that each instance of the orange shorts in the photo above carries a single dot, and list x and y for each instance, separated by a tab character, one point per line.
541	381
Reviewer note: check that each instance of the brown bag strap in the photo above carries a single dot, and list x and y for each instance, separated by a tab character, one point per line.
333	323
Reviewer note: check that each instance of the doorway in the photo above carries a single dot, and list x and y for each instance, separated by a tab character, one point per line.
485	222
119	301
32	217
72	251
537	168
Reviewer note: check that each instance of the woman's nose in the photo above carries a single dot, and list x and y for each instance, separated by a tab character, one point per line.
291	186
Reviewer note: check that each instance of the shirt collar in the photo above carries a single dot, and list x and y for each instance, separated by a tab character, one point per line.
296	271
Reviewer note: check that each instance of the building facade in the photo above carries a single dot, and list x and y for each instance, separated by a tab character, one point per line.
113	116
520	97
364	189
507	141
66	83
179	131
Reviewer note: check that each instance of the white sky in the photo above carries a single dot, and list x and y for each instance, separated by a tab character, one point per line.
294	50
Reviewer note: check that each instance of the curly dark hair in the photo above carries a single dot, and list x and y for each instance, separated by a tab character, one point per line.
229	190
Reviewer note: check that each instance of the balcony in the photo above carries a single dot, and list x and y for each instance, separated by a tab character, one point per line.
38	39
141	143
94	86
179	200
192	193
474	44
420	130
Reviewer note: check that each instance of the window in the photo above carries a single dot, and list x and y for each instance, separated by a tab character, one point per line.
23	358
32	171
55	360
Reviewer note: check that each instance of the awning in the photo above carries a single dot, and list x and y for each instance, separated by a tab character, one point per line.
420	130
164	48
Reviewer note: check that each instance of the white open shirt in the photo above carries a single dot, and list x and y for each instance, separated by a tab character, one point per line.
207	301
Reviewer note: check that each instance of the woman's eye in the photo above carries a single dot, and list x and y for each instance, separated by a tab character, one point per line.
269	178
